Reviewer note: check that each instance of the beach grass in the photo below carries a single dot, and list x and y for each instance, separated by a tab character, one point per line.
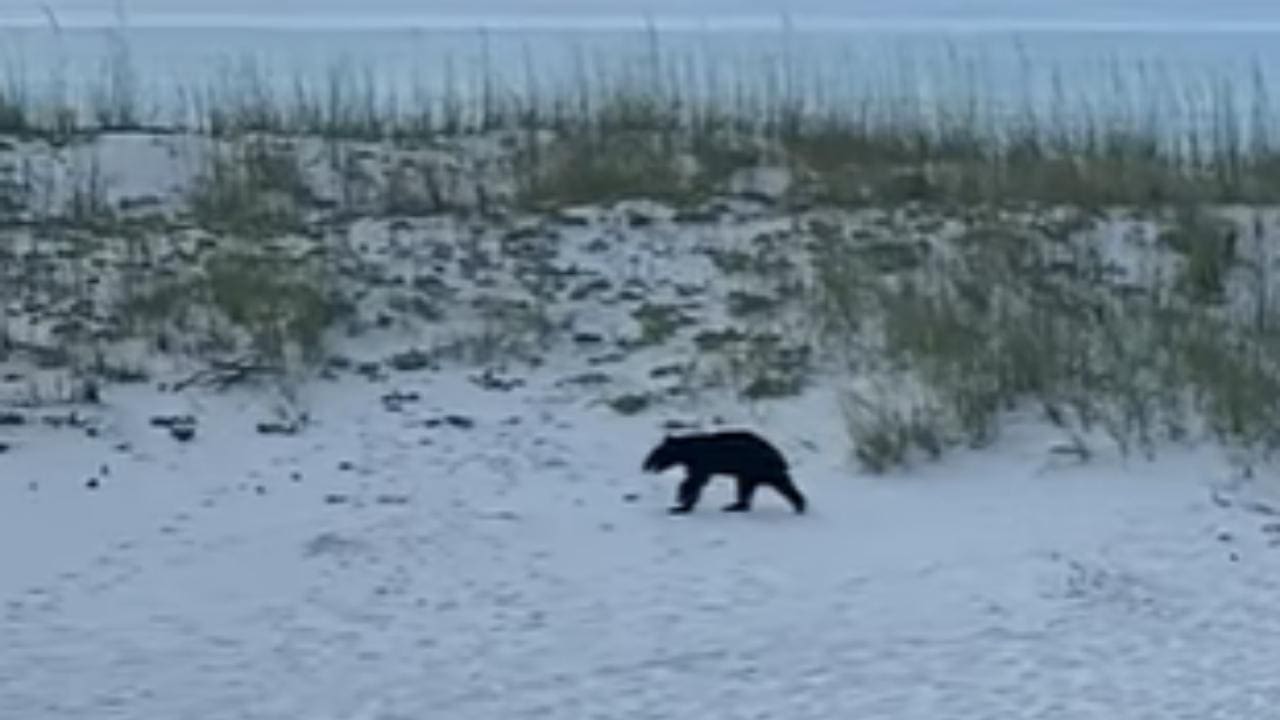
1012	315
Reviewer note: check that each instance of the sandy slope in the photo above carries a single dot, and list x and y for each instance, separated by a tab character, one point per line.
497	571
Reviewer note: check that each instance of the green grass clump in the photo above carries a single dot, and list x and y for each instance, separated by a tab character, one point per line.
1012	319
1208	248
254	189
281	306
239	301
603	170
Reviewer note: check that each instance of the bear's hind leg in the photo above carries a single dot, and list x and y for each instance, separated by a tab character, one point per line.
746	490
787	488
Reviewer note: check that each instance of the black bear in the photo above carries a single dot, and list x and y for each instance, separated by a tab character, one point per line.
745	456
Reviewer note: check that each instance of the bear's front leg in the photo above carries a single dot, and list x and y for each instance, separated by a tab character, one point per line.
688	492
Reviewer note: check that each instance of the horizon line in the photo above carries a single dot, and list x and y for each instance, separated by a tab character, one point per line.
598	22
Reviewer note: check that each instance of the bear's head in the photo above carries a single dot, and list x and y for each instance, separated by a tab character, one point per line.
665	455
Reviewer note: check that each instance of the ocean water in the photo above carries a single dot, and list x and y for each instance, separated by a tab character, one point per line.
1135	73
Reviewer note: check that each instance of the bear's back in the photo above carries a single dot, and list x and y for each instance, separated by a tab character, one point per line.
734	452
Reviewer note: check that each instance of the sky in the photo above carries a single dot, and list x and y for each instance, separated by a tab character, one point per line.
1029	10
